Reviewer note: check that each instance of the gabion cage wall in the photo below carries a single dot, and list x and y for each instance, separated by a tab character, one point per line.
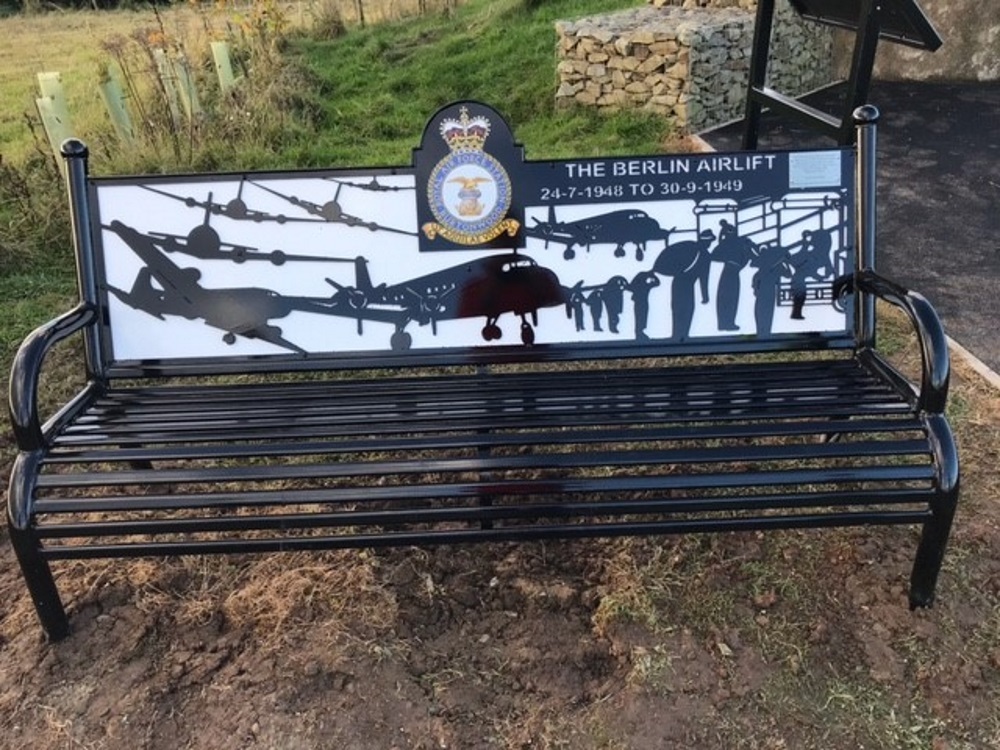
686	59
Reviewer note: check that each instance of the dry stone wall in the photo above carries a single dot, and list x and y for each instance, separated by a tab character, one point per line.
686	59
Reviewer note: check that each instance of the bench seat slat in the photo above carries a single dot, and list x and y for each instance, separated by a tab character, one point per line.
456	491
255	429
727	372
424	537
576	397
539	460
321	428
718	403
401	517
701	481
715	401
451	393
280	446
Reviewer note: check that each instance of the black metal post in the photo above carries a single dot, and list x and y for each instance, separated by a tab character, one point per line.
37	573
838	126
75	153
933	540
863	60
41	584
866	120
758	72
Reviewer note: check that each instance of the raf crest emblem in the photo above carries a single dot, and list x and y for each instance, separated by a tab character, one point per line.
469	191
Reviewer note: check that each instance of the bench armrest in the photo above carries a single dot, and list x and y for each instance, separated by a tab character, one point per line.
936	368
26	371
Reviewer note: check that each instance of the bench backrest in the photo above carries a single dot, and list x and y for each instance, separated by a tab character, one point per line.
471	254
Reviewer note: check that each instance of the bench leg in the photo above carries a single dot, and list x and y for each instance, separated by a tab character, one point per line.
930	553
41	584
934	538
28	549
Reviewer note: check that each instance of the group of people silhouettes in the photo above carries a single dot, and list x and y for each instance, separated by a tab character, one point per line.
688	264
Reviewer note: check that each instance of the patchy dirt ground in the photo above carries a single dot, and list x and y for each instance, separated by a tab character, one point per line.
784	640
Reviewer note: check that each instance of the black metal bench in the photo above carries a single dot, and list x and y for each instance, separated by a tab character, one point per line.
478	348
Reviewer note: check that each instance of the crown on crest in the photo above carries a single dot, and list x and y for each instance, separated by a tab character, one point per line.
466	133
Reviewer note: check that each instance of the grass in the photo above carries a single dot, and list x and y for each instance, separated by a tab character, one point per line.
72	48
75	48
376	86
380	85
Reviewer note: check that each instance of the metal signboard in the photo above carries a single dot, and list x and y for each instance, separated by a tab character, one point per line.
894	20
472	246
900	21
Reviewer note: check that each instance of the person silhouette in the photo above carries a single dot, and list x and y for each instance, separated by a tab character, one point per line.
574	307
612	294
771	263
688	263
595	302
640	287
811	262
733	252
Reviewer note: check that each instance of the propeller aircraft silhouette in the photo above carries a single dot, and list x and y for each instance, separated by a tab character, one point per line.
485	287
331	211
232	209
373	184
488	287
243	312
617	228
204	242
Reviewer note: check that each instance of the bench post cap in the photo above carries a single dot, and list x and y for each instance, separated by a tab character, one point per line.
866	114
73	147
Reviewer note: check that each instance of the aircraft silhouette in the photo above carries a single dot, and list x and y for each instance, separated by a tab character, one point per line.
331	211
204	242
233	209
372	184
487	287
615	227
238	312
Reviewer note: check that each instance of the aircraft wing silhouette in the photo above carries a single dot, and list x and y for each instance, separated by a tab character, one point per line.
560	233
266	332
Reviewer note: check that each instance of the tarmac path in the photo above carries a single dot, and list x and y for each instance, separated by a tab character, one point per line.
938	195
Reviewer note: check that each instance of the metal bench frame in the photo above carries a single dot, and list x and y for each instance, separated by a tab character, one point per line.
502	444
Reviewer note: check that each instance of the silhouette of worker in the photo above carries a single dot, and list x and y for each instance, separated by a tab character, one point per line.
688	263
811	262
596	304
641	286
734	252
612	294
575	304
771	263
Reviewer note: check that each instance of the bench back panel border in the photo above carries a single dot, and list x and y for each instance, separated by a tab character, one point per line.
472	255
